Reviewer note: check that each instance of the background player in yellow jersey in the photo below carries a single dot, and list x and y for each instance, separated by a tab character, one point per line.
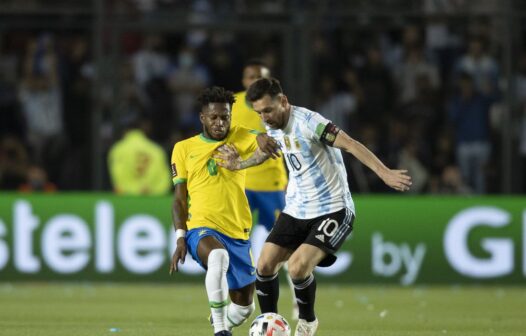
211	212
137	165
266	183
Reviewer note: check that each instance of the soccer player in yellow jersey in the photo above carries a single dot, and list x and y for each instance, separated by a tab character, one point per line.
266	183
211	212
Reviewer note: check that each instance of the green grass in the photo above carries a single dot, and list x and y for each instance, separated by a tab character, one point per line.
181	310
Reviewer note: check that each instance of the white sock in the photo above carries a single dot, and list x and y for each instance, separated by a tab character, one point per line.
217	287
237	314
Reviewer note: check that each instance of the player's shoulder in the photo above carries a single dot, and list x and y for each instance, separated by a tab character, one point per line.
182	145
238	131
303	113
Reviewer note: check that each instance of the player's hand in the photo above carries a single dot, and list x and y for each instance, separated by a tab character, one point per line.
397	179
268	145
228	157
179	255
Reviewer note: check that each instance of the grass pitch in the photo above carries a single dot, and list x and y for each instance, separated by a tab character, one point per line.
181	310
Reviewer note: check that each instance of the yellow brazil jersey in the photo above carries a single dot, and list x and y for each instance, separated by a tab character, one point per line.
271	174
138	166
216	195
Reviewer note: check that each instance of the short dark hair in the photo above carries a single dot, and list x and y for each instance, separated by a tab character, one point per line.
255	62
216	94
262	87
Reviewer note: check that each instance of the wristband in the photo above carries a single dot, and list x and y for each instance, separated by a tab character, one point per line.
180	233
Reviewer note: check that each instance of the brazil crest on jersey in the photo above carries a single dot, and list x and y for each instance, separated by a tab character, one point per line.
271	174
216	196
317	175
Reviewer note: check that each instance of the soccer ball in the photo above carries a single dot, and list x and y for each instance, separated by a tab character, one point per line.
269	324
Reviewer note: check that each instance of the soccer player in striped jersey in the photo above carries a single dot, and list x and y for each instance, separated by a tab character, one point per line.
319	210
265	183
211	213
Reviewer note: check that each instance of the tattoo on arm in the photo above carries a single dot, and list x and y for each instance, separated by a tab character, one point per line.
257	158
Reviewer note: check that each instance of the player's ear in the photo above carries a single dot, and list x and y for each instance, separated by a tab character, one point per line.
284	100
202	117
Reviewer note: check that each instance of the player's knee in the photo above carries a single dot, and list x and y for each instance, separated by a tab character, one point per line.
218	258
266	266
299	268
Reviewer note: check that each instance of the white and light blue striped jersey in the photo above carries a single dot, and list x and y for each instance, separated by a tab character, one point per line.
317	175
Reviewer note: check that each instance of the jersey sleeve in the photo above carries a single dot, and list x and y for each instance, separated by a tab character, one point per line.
179	172
321	129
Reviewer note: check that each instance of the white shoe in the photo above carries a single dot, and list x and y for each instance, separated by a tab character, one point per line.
304	328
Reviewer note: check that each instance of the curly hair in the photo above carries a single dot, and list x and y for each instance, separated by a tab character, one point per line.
216	94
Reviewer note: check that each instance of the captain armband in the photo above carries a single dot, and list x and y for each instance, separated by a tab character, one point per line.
329	134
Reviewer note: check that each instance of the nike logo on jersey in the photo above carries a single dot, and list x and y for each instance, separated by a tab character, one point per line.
320	237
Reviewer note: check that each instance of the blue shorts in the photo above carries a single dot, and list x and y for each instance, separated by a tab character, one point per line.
265	206
241	270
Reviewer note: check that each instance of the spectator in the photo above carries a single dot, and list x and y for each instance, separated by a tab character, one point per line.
336	105
41	96
14	161
414	66
186	79
409	159
480	65
37	181
137	165
451	182
377	86
469	114
151	61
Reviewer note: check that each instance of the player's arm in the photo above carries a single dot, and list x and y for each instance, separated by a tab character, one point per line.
229	158
394	178
180	216
268	145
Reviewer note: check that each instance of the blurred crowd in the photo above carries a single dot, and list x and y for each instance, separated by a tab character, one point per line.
421	95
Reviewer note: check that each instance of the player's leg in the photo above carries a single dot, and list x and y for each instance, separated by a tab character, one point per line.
295	309
241	305
270	261
267	205
301	265
215	258
241	277
284	238
327	234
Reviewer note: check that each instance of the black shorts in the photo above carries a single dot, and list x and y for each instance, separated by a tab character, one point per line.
328	232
